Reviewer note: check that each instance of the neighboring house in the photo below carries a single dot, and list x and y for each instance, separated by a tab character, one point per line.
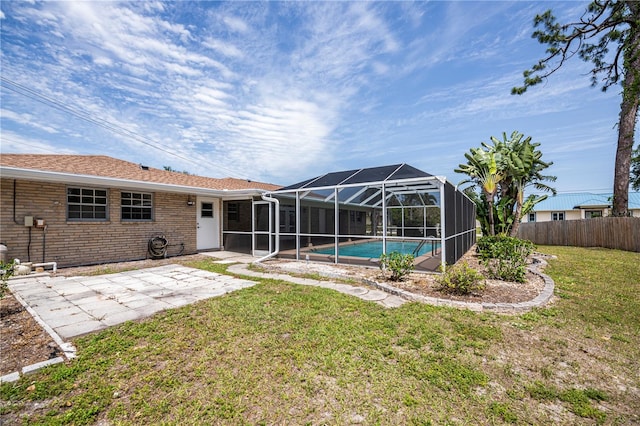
579	205
77	209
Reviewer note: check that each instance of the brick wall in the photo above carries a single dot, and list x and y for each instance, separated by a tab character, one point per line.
79	243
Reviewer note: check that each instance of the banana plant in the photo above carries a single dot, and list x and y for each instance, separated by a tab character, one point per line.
503	215
482	213
531	201
482	168
503	170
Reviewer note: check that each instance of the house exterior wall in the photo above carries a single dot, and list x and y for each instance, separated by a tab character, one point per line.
540	217
72	243
573	215
545	216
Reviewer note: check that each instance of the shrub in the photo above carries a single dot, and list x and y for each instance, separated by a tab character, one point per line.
505	257
461	279
6	271
399	264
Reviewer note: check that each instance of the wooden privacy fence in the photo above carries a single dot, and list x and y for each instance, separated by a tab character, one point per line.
621	233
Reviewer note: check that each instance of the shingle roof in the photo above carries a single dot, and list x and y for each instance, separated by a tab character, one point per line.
104	166
571	201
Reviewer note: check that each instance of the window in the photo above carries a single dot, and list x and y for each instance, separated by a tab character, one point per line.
557	216
136	206
589	214
532	217
356	216
206	210
86	204
233	212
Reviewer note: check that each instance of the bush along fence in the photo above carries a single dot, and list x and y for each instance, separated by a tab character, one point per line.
622	233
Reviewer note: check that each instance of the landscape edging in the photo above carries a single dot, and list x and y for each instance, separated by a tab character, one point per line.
539	301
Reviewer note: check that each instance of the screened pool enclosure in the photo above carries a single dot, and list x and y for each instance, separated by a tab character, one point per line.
354	216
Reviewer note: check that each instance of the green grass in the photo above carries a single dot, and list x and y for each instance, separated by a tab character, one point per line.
279	353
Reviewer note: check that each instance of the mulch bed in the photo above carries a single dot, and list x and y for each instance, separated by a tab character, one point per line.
496	291
23	341
426	284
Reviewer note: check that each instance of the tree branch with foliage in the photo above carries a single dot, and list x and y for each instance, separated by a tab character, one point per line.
606	25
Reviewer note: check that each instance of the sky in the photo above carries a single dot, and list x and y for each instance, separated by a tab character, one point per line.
280	92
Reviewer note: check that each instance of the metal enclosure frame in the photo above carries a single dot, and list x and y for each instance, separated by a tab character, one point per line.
374	204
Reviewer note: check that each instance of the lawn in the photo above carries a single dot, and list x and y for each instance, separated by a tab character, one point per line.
279	353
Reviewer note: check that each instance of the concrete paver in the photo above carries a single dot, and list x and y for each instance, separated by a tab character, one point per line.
79	305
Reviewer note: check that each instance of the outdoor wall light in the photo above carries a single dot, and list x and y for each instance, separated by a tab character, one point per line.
190	202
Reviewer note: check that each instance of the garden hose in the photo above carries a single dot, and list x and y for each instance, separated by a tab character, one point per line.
158	246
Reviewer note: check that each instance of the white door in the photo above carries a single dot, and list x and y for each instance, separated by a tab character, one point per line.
208	223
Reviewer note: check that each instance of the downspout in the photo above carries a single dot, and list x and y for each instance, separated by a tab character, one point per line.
44	242
276	203
29	246
14	202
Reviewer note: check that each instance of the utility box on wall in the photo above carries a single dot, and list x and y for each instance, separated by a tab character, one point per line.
28	221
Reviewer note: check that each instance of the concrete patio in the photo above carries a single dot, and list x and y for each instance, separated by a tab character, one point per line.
74	306
79	305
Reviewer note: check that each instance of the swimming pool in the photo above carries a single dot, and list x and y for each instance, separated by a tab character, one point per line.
373	249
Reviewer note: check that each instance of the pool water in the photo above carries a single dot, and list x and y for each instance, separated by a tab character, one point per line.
373	249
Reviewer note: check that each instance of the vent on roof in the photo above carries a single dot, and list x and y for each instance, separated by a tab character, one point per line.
144	167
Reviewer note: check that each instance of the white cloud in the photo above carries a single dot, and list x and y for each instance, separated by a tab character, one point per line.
26	119
235	24
16	143
220	46
102	60
181	69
